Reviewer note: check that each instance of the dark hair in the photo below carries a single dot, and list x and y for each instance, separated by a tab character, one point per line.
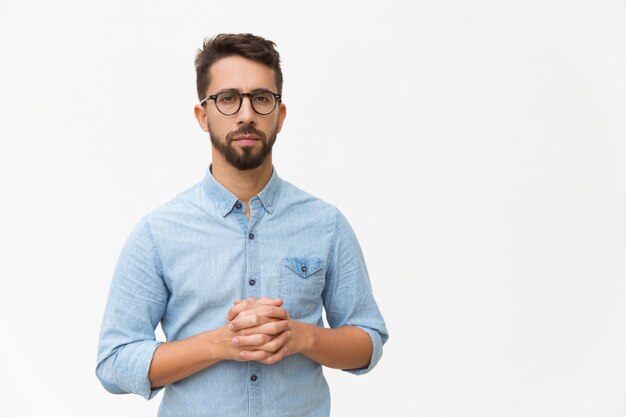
246	45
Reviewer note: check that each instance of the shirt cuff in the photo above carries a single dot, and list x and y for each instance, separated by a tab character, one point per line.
377	352
144	389
127	370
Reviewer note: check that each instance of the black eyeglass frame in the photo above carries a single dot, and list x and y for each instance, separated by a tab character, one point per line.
250	96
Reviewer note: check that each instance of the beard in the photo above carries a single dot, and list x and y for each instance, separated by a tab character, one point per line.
247	157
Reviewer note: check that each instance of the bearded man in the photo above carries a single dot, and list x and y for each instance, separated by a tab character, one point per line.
239	269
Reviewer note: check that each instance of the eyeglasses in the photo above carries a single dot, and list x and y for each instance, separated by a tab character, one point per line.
229	102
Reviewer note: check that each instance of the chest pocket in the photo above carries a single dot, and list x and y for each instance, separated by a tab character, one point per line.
301	285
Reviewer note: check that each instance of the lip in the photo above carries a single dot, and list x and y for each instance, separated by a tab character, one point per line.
246	140
246	137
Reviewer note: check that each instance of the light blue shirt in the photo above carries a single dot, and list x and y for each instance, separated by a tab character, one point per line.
186	262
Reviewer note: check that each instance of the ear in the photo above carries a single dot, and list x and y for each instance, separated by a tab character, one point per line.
282	113
200	113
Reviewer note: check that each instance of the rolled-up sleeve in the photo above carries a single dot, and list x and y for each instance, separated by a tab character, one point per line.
136	303
348	297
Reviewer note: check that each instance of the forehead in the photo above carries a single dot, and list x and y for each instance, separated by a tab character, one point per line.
236	72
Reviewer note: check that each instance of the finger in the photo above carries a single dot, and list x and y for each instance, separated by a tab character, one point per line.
270	301
276	343
254	355
266	311
252	340
276	357
247	322
272	328
240	305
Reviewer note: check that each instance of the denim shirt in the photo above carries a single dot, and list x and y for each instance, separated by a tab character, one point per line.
186	262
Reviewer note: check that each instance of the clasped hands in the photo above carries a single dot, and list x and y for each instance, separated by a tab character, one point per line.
259	330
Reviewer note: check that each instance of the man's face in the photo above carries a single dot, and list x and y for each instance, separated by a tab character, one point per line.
244	139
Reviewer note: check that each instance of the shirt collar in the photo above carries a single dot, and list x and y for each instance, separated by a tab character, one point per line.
225	200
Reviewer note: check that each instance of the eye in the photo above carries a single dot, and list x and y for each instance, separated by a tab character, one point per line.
263	98
228	98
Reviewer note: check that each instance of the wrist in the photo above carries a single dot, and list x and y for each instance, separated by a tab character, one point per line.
302	338
217	345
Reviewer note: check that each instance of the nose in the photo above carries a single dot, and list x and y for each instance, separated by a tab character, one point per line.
246	114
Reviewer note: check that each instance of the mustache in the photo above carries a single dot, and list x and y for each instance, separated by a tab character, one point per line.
246	130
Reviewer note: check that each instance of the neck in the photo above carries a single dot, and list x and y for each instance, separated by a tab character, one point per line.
243	184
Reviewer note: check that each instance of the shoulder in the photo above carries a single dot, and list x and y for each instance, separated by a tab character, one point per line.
182	208
294	198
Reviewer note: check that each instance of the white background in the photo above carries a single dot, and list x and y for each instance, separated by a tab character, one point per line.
477	148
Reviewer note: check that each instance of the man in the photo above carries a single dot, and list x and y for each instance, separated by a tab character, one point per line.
238	268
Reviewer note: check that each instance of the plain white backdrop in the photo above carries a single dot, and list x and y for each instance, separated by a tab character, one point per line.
478	149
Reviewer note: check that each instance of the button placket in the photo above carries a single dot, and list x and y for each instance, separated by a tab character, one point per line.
253	289
254	389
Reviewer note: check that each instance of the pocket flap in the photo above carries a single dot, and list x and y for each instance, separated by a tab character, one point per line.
304	266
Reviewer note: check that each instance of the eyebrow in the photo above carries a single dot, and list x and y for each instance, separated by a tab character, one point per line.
236	90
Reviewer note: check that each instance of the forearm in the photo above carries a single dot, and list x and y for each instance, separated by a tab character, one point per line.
346	347
173	361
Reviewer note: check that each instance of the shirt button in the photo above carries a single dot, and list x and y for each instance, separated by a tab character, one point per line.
251	236
238	205
253	378
252	282
303	268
